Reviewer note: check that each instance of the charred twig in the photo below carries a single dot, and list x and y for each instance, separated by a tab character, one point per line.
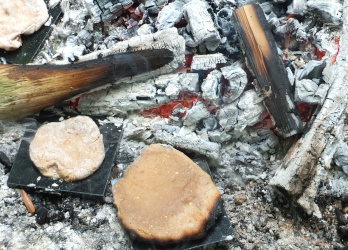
261	51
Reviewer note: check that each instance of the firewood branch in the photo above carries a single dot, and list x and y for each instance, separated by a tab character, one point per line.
309	159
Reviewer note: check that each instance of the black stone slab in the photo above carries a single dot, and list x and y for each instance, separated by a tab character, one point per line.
24	174
222	230
32	43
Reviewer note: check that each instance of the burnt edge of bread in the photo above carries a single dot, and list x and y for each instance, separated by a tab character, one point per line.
207	225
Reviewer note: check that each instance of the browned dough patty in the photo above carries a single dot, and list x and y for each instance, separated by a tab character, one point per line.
165	197
72	149
20	17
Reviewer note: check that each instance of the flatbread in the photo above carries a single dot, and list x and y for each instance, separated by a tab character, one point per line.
164	197
20	17
72	149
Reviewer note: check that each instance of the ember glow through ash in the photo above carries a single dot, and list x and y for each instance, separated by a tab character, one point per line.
166	110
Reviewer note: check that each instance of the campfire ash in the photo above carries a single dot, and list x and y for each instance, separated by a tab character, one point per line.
279	189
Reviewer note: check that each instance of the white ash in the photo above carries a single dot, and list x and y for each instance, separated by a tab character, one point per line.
340	157
312	69
241	3
194	115
310	91
201	25
138	96
211	87
251	110
291	26
170	15
184	139
105	10
325	39
228	116
297	7
145	29
267	7
207	62
291	76
237	80
329	12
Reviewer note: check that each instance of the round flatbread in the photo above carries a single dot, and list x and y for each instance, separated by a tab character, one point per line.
20	17
72	149
165	197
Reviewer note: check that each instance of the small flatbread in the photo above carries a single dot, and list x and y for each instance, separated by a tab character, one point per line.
72	149
164	197
20	17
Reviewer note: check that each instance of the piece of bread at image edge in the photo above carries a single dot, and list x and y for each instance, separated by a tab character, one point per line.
164	197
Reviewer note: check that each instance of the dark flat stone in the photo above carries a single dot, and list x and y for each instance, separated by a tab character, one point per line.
24	174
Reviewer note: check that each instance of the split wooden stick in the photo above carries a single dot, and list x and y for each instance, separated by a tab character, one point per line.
27	89
272	80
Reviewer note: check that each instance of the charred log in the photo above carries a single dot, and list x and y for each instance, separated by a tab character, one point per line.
261	51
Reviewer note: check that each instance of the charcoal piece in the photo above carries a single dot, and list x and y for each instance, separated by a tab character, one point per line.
228	116
310	92
237	80
340	157
24	175
41	215
224	21
196	114
251	110
32	43
186	140
328	11
267	7
305	92
313	69
170	15
140	95
201	25
241	3
101	11
292	26
207	62
297	8
211	87
261	51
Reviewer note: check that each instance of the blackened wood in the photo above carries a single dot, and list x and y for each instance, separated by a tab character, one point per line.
27	89
261	51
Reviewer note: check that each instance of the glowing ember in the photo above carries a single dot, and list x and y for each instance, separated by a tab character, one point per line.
265	123
73	105
187	67
185	99
320	54
288	17
306	110
337	43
